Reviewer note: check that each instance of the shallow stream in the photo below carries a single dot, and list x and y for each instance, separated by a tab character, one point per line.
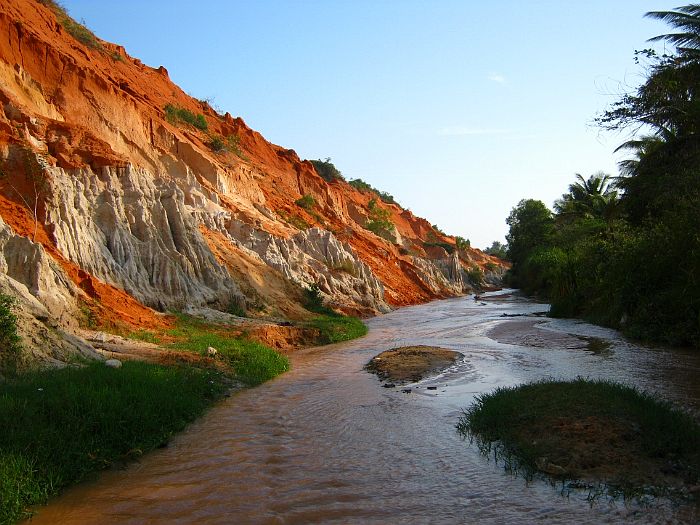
326	443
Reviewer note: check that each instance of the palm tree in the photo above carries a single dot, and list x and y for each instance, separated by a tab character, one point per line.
687	19
592	198
642	148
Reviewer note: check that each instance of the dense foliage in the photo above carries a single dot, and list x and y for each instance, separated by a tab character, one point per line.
10	344
497	249
363	186
327	170
626	253
461	243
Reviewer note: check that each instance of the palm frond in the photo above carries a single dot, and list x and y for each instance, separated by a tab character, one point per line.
687	19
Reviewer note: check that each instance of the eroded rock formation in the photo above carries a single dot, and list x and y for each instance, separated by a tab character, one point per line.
114	206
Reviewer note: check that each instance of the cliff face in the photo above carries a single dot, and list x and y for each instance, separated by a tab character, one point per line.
120	194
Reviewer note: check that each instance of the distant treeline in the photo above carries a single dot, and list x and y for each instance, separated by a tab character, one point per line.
625	251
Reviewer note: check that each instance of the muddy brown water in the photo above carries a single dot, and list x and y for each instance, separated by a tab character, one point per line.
325	443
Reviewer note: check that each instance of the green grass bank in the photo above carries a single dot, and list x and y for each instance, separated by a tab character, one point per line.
608	437
60	426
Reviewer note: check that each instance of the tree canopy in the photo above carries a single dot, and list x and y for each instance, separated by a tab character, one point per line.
625	251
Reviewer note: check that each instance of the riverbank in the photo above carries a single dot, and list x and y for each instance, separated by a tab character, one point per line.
598	434
393	457
62	426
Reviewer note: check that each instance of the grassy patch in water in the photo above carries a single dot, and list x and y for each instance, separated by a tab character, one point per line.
251	361
597	434
334	328
59	426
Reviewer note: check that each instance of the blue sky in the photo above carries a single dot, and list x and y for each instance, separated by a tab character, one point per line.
457	108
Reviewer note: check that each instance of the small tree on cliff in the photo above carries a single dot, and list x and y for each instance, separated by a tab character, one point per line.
36	184
462	243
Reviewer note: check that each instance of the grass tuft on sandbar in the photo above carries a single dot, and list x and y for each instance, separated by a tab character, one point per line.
334	328
596	434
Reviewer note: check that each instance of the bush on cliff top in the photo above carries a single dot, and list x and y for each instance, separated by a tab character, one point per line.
361	185
78	31
327	170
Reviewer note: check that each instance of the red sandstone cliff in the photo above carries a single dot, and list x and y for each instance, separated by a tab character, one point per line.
111	205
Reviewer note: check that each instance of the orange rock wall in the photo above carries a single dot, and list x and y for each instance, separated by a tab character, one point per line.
80	107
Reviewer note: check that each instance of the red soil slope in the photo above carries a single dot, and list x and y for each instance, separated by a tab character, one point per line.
97	106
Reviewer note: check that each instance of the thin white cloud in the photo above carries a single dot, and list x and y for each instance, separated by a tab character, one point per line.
460	131
497	77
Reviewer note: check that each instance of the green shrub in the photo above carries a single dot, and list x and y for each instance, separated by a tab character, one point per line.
293	220
475	275
175	115
233	144
445	246
362	186
78	31
219	144
313	301
327	170
235	308
332	326
462	243
438	230
216	144
307	202
379	221
497	249
10	347
386	197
